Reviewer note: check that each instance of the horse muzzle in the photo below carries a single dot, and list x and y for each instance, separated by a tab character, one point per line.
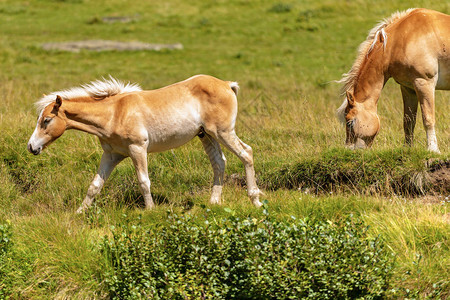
34	151
358	144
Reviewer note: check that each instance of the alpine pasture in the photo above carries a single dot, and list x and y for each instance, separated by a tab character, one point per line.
286	57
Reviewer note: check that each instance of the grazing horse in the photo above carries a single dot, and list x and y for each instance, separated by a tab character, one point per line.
413	47
130	122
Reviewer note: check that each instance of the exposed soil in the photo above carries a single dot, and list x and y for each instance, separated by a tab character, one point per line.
114	19
440	176
107	45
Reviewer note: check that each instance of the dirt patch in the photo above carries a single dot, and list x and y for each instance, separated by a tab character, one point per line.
114	19
439	175
107	45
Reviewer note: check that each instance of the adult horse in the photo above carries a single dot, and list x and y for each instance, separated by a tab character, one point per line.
413	47
130	122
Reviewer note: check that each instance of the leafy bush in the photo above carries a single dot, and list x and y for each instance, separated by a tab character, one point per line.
250	258
5	245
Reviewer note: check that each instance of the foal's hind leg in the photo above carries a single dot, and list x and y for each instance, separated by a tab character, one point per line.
410	104
245	154
217	159
138	155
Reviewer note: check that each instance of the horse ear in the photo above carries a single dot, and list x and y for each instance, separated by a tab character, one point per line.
58	102
350	98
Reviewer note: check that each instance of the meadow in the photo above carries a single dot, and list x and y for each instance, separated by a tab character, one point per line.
286	56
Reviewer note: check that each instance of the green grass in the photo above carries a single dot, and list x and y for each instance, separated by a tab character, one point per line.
397	171
285	56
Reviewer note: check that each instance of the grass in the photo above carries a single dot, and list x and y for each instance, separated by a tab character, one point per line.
398	171
285	56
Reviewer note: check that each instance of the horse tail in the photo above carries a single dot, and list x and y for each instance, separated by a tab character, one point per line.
234	86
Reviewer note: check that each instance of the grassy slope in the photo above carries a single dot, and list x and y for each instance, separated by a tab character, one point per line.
285	63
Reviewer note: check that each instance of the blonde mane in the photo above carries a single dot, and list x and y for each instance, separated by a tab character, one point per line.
349	79
98	90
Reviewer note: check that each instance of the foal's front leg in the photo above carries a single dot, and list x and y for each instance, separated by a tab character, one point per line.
108	162
139	156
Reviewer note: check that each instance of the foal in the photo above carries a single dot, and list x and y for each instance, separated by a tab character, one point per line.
130	122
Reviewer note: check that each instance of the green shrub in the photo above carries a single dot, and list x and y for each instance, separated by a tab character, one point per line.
5	246
250	258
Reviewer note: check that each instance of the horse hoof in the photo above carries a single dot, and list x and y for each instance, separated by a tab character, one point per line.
215	200
257	203
434	150
149	206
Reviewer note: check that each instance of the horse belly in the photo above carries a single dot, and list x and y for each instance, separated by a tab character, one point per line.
172	134
171	143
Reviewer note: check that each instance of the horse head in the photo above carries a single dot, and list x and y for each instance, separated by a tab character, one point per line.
49	127
362	123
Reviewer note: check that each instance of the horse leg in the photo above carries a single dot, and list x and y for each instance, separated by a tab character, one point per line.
217	159
107	163
425	94
245	154
410	104
138	155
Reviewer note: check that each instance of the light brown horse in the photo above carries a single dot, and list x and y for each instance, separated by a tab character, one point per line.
130	122
413	47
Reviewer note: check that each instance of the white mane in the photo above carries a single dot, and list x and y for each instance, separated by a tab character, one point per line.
340	112
349	79
98	89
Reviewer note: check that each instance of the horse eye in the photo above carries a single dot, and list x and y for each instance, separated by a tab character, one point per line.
47	120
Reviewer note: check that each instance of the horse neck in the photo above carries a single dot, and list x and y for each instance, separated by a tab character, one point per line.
88	115
371	79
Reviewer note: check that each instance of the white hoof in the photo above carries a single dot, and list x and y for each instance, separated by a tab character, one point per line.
254	196
80	210
434	149
257	203
214	201
216	195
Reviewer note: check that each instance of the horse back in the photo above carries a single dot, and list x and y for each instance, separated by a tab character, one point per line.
214	99
419	47
423	29
179	110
